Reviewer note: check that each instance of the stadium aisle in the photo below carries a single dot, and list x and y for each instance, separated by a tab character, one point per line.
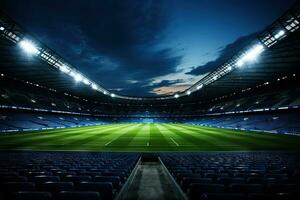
151	182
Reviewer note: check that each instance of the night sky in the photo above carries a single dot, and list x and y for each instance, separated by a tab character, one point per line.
145	48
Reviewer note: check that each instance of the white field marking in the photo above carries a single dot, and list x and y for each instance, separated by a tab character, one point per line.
174	141
110	142
127	130
94	131
163	129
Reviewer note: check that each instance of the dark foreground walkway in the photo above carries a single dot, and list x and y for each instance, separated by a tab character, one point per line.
151	182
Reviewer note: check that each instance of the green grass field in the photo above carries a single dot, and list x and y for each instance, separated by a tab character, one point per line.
148	138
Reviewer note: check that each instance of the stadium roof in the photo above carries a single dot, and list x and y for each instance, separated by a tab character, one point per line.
274	53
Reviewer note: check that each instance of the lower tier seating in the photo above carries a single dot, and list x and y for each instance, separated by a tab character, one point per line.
63	175
230	176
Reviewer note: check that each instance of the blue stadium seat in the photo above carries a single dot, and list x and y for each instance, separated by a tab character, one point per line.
115	180
43	179
56	187
13	179
267	196
32	195
17	186
105	189
77	178
224	196
197	190
283	188
247	188
78	195
186	182
230	180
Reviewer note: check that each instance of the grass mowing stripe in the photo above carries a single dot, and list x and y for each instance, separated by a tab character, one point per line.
260	135
191	136
142	136
57	130
170	134
185	137
42	137
126	137
249	143
44	133
52	139
129	137
243	137
66	137
156	137
94	134
216	138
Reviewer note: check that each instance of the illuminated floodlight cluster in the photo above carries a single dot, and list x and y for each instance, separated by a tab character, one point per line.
2	28
77	77
279	34
80	78
29	47
250	55
176	96
64	69
86	81
188	92
199	86
95	87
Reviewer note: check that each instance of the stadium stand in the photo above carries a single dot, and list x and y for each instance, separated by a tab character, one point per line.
63	175
12	122
273	102
252	175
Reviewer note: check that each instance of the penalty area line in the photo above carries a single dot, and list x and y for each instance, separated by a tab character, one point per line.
174	142
109	142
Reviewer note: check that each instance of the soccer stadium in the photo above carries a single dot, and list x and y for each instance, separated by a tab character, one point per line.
155	100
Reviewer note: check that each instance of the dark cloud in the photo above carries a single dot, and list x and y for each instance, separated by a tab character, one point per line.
109	41
225	53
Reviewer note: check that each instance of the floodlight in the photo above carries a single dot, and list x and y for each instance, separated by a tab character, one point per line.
104	92
176	96
94	86
279	34
78	77
229	68
250	55
2	28
112	95
64	69
240	63
199	87
28	47
188	92
86	81
215	77
253	53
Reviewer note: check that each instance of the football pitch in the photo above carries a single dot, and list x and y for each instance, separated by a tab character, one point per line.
148	138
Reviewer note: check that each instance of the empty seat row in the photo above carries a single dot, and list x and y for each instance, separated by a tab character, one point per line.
235	175
59	175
